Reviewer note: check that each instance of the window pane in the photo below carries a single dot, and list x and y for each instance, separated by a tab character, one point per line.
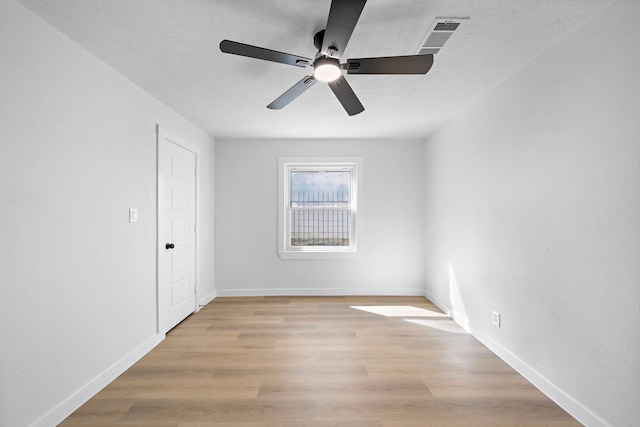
326	227
319	216
320	188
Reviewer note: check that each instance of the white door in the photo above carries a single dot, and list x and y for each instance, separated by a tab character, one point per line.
176	231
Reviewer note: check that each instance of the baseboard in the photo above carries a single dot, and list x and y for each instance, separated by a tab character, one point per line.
207	298
320	292
553	392
77	399
459	318
438	303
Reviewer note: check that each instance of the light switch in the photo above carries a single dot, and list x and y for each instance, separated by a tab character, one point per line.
133	214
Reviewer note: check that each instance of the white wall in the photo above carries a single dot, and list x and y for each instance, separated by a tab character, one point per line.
247	260
77	281
533	210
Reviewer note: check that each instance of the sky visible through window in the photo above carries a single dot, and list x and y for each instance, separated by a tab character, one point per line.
320	188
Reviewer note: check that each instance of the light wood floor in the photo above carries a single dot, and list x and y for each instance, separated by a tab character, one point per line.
316	361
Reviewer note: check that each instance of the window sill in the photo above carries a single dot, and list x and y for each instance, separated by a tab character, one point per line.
310	254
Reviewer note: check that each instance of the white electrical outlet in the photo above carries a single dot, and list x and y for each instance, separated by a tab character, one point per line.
133	214
496	319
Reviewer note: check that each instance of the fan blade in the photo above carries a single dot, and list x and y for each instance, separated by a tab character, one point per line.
235	48
343	17
413	64
346	96
295	91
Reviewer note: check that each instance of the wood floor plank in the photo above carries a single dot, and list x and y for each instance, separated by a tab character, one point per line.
320	362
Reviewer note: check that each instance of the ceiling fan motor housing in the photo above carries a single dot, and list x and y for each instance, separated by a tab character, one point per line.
318	38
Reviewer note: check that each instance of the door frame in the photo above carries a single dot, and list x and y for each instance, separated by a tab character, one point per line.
163	134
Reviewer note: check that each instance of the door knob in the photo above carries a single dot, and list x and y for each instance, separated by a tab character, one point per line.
169	246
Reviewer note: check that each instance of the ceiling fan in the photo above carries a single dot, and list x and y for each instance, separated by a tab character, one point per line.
331	43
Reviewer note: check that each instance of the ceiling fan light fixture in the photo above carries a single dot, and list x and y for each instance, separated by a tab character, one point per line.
326	69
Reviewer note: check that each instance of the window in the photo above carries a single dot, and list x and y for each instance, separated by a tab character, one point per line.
319	216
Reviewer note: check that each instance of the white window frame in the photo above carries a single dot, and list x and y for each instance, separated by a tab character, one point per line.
286	166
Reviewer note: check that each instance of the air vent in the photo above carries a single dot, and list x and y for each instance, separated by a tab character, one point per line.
439	32
446	26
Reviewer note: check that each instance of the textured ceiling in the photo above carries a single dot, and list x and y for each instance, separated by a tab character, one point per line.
170	49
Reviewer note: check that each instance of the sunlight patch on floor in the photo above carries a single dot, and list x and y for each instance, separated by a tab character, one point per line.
442	325
419	316
398	311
